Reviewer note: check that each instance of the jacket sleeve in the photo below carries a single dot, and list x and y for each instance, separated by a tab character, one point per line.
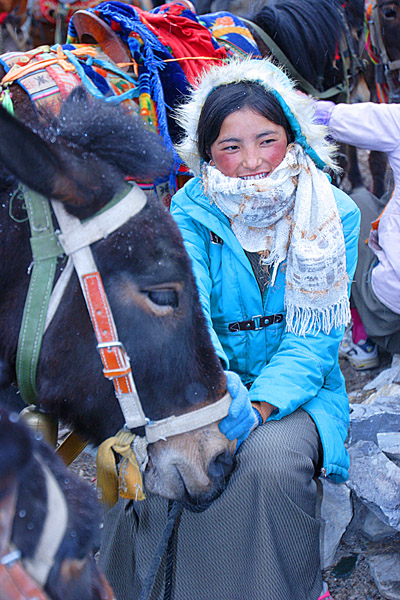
297	371
196	238
367	125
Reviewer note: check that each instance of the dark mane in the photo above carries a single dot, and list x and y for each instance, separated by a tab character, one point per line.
307	32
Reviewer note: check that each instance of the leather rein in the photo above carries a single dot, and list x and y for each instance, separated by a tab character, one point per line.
74	239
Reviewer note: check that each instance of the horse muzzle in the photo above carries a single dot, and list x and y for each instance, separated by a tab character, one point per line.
193	467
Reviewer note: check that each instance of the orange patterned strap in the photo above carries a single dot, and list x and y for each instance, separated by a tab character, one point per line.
117	367
116	364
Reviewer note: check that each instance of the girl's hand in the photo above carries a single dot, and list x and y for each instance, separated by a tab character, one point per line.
242	418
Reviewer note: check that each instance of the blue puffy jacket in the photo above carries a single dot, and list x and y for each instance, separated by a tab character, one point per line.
286	370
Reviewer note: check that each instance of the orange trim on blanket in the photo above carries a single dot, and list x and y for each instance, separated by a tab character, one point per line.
17	71
220	31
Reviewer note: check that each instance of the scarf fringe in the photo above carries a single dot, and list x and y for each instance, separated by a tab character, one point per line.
275	260
305	320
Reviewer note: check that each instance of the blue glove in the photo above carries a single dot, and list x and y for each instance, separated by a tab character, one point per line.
242	417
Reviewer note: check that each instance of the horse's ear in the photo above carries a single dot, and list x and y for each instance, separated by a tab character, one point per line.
27	156
79	96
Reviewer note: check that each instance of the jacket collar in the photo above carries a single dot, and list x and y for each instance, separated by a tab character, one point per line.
193	201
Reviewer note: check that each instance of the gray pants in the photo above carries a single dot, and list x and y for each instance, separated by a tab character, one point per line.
258	541
381	324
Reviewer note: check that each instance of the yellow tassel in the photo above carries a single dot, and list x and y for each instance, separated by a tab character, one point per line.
148	111
129	483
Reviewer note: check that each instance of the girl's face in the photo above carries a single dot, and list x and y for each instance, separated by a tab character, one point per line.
249	146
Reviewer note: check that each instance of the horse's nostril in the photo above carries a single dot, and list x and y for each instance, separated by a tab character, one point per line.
221	466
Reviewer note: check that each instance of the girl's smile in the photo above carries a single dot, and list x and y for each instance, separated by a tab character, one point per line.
249	145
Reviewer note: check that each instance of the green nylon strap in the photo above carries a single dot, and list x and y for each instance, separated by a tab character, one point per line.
283	60
45	248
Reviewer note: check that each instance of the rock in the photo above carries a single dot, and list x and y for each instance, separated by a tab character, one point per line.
376	481
391	389
375	529
386	377
336	514
389	443
385	569
366	420
359	396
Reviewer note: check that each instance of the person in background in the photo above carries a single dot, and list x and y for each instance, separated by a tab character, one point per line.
274	247
375	292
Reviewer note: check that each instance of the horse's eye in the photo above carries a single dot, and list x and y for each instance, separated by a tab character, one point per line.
164	297
389	13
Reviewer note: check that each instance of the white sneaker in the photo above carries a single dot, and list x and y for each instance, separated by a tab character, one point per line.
361	356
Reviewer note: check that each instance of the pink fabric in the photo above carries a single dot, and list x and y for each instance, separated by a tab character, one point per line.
377	127
326	596
359	332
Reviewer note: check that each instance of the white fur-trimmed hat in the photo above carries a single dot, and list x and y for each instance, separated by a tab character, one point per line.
298	109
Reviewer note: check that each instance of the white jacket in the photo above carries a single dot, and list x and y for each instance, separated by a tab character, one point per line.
377	127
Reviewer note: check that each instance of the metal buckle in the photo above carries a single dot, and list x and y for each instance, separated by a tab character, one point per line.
257	323
108	345
9	559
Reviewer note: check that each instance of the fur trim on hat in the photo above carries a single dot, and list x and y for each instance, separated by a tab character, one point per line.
298	109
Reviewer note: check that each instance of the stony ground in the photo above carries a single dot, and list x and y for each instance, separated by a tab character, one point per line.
350	578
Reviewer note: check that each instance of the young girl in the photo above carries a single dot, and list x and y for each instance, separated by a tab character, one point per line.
274	247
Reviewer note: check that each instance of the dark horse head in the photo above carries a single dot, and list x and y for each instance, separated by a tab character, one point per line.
81	159
49	516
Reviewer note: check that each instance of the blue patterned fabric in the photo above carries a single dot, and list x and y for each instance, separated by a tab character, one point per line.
230	31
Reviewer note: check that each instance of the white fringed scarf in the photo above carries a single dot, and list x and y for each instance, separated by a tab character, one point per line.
291	214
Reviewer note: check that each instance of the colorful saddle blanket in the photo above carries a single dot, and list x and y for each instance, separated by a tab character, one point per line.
48	75
170	46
